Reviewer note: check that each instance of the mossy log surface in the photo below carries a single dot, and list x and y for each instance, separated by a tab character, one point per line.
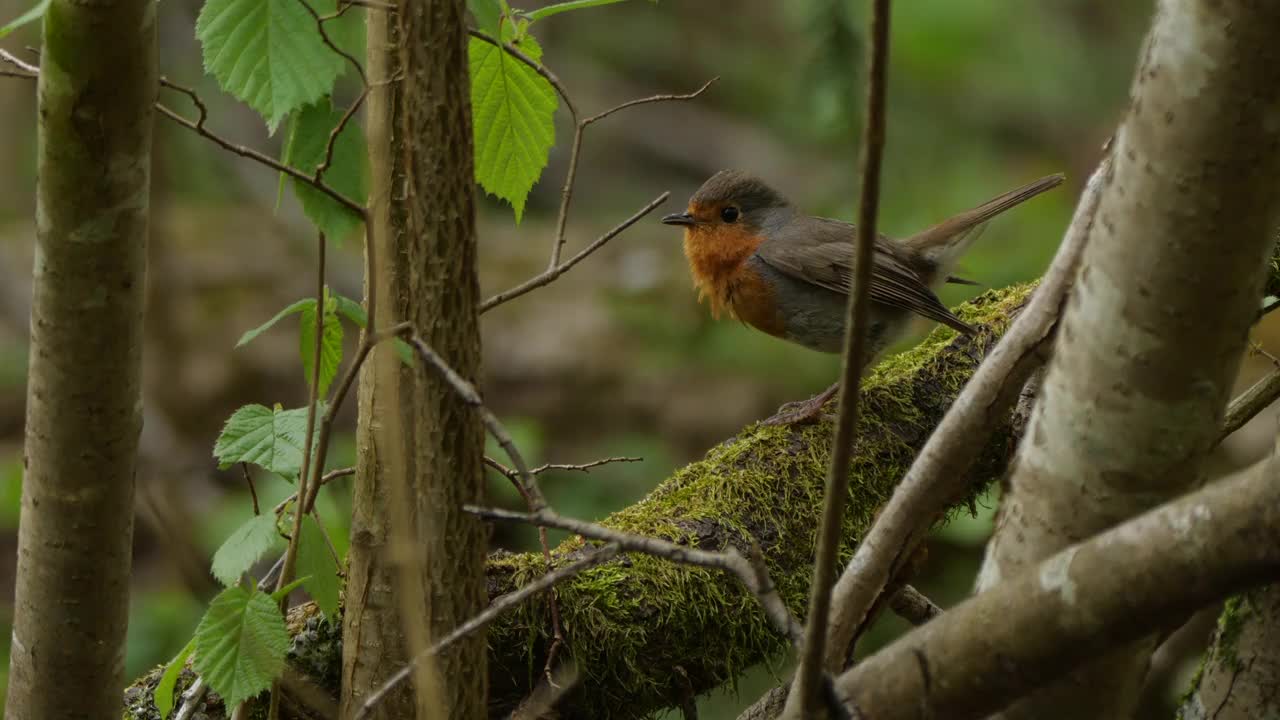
644	632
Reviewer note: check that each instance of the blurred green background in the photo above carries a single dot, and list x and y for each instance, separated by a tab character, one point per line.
616	358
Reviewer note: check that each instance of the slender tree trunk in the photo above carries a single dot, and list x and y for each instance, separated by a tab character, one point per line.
1240	679
420	449
84	414
1168	287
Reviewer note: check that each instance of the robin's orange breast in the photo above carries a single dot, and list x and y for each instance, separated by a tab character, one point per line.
753	300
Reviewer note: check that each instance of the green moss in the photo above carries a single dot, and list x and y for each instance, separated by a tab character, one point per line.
643	630
629	623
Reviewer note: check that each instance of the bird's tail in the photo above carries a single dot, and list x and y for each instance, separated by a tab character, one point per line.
943	243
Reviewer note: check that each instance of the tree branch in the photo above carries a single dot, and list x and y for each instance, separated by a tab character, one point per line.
1078	604
805	698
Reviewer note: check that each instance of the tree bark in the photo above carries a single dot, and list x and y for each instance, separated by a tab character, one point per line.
1152	339
84	414
1240	677
1134	579
414	554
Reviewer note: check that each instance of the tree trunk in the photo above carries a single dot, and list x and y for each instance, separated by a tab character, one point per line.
1240	678
420	448
84	414
1153	336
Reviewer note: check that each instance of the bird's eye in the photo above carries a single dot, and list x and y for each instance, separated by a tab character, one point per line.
729	214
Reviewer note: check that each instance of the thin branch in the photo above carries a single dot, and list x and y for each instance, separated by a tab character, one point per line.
470	396
938	473
496	608
537	67
913	606
1251	402
583	467
198	126
253	491
806	696
337	130
570	178
548	276
753	576
29	69
368	5
651	99
324	35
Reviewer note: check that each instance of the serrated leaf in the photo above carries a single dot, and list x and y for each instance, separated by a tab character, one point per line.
293	308
348	171
548	11
316	560
30	16
330	345
267	437
163	694
244	547
512	109
268	53
354	312
241	644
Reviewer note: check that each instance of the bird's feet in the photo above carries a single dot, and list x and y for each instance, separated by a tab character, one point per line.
802	412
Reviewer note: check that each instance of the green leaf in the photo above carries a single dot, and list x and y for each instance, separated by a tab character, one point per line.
25	18
269	437
295	307
316	560
548	11
241	644
268	53
354	312
348	171
330	344
488	14
163	695
245	547
512	108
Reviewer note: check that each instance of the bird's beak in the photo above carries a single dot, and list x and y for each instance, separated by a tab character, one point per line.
683	218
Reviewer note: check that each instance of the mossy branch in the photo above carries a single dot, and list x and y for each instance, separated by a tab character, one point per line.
644	631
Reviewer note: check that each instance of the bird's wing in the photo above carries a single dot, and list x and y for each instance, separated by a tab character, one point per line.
820	252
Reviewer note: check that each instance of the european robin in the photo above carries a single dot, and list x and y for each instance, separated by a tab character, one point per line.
776	269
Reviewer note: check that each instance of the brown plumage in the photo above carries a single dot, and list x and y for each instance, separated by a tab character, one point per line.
725	254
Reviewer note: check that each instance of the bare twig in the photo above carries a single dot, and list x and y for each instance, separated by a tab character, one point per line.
253	491
470	396
570	177
324	35
583	467
1251	402
367	4
537	67
913	606
939	470
28	69
730	560
496	608
806	696
313	405
337	130
546	277
251	154
549	691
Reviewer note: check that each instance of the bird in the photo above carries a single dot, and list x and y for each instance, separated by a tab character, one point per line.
756	257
